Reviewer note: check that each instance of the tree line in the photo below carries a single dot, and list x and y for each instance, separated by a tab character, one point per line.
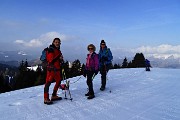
22	77
137	62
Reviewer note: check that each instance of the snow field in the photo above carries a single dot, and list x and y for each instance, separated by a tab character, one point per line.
131	94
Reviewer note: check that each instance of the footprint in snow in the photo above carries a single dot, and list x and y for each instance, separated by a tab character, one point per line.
15	104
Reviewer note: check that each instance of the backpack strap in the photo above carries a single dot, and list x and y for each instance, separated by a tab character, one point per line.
50	49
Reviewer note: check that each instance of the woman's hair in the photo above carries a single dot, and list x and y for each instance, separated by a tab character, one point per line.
91	45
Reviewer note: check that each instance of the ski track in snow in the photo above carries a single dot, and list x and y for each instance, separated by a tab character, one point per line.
131	94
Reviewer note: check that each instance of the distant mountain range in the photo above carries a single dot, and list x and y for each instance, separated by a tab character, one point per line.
169	62
13	58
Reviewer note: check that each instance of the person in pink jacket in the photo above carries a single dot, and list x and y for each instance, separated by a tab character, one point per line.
91	69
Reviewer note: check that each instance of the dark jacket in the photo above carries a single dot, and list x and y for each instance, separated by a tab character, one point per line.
105	56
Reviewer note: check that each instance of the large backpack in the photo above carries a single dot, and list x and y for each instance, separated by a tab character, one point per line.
43	57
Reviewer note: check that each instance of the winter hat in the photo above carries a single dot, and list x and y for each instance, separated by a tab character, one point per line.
103	42
92	46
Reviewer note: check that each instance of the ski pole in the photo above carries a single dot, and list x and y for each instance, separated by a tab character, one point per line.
93	76
76	80
67	86
64	78
69	91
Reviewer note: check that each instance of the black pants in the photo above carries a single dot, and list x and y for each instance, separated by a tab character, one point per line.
147	68
89	82
103	71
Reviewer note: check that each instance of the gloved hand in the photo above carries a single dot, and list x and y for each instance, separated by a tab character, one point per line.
104	58
96	72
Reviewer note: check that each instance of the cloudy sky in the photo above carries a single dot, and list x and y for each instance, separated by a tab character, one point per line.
127	26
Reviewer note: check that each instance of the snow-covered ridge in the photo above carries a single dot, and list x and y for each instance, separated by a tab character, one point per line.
131	94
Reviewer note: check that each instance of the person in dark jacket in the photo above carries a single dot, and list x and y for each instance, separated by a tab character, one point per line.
54	58
148	65
91	69
105	62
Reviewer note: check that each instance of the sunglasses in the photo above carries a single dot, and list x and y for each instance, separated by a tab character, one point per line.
90	48
103	44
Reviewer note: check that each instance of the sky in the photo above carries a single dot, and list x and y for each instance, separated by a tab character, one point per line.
127	26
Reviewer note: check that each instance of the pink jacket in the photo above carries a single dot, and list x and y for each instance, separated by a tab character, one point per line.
92	62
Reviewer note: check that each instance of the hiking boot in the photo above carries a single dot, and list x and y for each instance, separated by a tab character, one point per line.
87	94
54	98
90	97
47	101
102	88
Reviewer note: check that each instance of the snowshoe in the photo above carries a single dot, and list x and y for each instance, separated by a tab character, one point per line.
55	98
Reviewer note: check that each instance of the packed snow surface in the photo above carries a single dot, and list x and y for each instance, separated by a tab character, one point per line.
131	94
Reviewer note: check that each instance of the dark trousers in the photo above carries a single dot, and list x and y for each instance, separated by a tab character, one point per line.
103	71
89	82
147	68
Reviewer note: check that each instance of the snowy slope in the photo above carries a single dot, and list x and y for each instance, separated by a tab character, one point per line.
135	95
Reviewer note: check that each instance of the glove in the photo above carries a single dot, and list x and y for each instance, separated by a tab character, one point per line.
96	72
104	58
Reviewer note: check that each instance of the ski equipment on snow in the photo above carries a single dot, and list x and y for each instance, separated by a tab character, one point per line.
65	86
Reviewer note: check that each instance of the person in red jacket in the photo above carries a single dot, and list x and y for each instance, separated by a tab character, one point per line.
54	58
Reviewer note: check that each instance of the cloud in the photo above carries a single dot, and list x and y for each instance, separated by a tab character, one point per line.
31	43
161	51
43	40
19	41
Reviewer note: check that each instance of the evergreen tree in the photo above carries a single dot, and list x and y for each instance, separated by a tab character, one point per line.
1	82
130	65
125	63
116	66
26	64
82	68
139	60
76	68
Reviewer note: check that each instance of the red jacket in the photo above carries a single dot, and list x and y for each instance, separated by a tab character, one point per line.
53	57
